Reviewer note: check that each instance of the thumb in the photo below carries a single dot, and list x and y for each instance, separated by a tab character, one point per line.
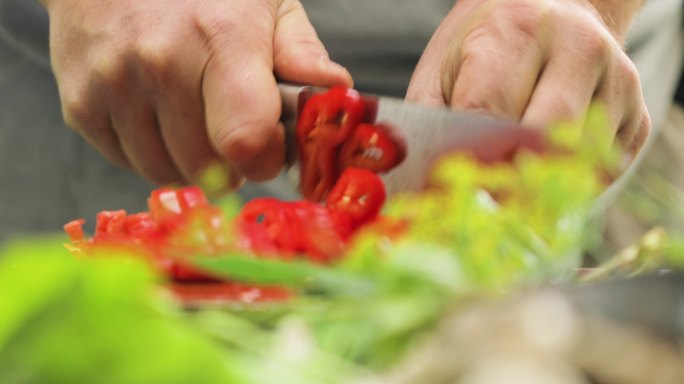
299	56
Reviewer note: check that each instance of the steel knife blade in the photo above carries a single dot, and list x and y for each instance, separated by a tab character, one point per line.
427	133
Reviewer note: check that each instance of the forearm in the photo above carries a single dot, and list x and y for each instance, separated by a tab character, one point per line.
618	14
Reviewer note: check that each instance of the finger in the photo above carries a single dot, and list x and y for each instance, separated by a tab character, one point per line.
495	73
183	130
299	56
93	123
103	138
621	93
242	101
634	132
577	66
564	91
425	87
138	130
173	84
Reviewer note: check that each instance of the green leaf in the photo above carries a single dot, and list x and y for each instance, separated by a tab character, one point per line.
95	321
294	274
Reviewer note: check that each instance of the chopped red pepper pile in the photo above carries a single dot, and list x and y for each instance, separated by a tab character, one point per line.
182	222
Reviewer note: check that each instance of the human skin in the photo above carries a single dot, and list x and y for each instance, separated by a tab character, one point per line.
168	87
536	61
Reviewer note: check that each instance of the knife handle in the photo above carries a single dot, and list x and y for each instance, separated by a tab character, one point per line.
289	95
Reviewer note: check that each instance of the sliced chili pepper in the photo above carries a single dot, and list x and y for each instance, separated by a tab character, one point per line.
110	222
179	271
320	170
182	222
263	223
202	294
141	225
288	229
359	195
322	240
74	229
304	228
191	197
325	122
164	207
372	147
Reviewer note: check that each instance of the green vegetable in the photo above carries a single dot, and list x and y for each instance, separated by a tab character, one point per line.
64	320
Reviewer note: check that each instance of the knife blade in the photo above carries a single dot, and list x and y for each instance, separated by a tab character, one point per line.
428	133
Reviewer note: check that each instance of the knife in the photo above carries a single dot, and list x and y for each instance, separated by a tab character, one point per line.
427	132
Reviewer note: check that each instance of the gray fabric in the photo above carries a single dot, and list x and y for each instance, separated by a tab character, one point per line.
24	26
48	175
380	42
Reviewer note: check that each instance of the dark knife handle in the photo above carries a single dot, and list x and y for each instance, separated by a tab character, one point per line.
291	97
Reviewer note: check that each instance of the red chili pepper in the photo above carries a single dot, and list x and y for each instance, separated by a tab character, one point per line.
287	229
268	227
141	225
110	223
325	122
323	240
74	229
359	195
191	197
202	294
372	147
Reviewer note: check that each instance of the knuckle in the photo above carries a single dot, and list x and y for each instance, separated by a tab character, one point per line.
628	73
251	151
563	109
527	18
479	49
471	50
635	131
595	46
233	24
514	28
644	129
216	28
76	110
475	103
156	61
110	70
241	144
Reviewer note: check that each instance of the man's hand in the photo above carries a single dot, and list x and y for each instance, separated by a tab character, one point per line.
169	87
537	61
